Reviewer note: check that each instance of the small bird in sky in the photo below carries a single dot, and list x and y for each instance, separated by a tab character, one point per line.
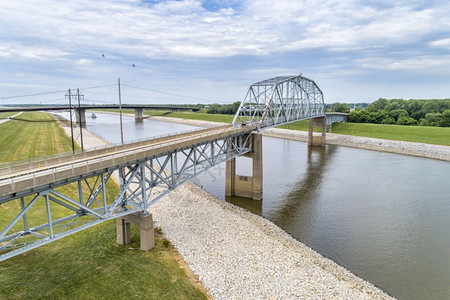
134	66
103	54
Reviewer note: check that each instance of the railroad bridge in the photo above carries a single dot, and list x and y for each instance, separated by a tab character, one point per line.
147	170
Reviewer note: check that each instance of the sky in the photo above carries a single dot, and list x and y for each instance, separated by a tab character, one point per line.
193	51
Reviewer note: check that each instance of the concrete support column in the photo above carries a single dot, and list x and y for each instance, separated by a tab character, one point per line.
246	186
138	114
145	223
257	166
81	116
230	176
123	232
317	140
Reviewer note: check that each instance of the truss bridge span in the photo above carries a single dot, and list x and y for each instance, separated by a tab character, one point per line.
146	170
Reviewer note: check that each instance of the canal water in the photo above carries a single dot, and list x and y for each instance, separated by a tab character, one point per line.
385	217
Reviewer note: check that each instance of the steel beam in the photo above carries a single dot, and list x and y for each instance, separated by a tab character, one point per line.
143	181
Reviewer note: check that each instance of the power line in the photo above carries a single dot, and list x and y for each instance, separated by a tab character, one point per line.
166	93
30	95
55	92
99	86
102	86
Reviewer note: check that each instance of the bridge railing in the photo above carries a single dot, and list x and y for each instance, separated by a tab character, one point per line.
42	161
89	165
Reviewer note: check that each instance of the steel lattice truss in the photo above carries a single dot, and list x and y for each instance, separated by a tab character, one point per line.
281	100
142	183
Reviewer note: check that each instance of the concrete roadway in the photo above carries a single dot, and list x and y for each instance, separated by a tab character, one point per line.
29	177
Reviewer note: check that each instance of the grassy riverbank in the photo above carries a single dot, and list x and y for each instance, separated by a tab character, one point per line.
88	264
5	115
418	134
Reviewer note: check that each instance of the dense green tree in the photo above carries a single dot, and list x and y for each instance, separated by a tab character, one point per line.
227	109
405	112
395	104
395	113
339	107
405	120
377	105
445	121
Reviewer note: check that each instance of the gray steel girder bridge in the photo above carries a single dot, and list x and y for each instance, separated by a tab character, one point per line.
146	170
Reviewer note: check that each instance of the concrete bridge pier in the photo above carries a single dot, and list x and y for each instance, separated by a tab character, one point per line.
139	114
81	116
317	140
246	186
145	223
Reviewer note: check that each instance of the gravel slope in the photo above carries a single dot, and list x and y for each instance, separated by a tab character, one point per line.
238	255
400	147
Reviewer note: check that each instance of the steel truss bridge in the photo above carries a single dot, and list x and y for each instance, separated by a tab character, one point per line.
39	191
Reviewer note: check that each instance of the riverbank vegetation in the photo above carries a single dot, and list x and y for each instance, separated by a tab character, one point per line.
88	264
404	112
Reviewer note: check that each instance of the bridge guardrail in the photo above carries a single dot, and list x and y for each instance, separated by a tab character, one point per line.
12	184
6	167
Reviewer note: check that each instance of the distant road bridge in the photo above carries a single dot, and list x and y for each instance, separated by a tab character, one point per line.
147	170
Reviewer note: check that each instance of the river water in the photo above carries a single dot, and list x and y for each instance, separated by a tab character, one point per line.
385	217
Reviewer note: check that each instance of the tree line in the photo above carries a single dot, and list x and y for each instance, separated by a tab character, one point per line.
435	112
226	109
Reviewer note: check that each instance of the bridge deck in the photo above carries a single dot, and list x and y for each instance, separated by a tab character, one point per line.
54	172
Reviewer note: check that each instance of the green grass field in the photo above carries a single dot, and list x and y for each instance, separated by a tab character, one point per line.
88	264
5	115
35	134
419	134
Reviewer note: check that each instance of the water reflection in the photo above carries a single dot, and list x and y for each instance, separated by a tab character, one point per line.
304	196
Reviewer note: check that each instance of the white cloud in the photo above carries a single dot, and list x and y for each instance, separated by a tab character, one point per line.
184	28
416	63
84	62
17	50
443	43
157	37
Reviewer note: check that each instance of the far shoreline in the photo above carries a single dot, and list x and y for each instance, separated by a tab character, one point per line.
439	152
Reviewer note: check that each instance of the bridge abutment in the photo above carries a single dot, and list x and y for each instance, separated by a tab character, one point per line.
317	140
139	114
145	223
246	186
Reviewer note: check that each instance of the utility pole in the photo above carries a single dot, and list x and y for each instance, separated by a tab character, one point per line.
79	118
71	95
71	126
120	112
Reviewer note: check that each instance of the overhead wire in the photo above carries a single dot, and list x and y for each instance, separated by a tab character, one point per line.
166	93
103	86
